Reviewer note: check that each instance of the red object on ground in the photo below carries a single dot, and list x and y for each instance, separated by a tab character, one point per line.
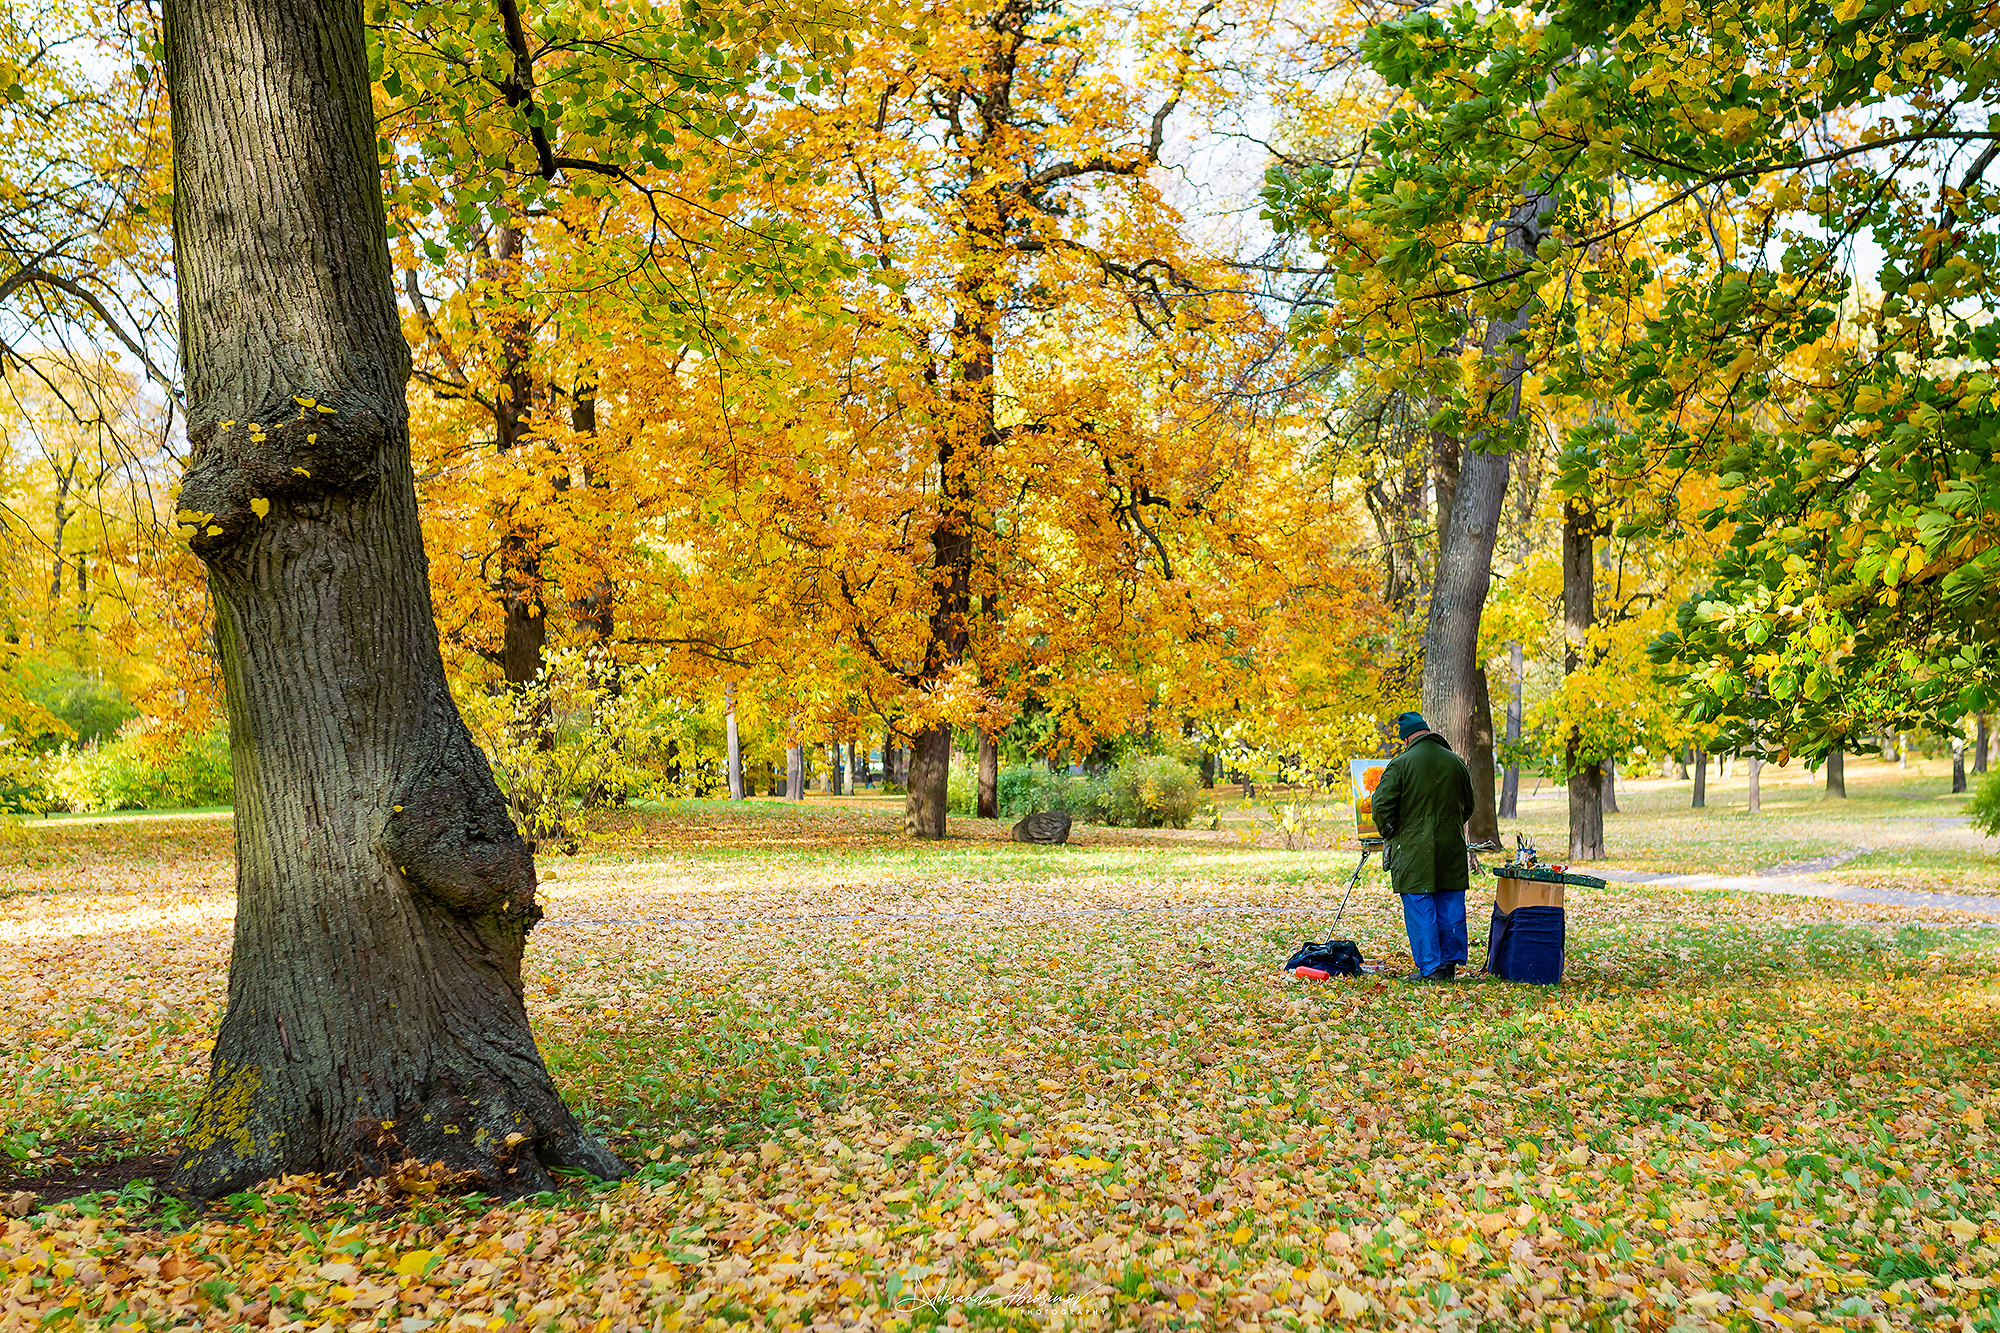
1311	972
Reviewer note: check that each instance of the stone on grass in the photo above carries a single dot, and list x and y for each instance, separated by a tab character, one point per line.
1043	826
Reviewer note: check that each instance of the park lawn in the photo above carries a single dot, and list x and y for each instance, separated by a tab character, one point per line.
868	1083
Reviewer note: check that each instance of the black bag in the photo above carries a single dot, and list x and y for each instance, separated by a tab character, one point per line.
1340	958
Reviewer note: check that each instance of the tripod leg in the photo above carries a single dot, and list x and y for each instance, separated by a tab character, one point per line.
1355	879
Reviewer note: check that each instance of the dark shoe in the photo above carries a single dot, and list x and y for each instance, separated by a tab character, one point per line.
1446	972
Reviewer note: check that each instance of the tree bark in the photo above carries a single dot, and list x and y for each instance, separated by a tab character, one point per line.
1700	779
524	628
1586	814
1836	772
1979	752
383	894
857	766
734	742
1510	782
1586	781
1611	786
930	770
1484	826
989	776
1957	764
1471	527
836	772
1756	801
795	772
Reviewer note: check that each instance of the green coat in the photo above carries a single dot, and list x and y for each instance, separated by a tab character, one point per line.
1421	807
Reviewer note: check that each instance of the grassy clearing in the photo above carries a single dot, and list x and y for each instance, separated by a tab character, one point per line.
873	1084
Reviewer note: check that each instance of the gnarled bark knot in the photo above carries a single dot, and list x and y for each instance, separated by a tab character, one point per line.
288	450
450	835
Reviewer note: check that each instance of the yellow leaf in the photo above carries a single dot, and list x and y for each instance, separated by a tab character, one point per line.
260	507
412	1264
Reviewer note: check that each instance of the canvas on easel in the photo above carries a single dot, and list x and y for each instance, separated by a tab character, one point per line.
1366	771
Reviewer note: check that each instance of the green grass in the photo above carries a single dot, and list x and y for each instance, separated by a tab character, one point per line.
838	1058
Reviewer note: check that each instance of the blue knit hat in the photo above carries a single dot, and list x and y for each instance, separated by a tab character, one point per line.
1409	724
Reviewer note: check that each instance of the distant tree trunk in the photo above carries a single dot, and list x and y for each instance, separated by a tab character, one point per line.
795	772
1510	782
989	776
836	774
1682	761
1586	813
1467	534
524	630
1611	786
1756	803
1586	783
1836	772
1484	826
1208	770
1957	764
734	743
1902	749
1700	778
383	894
1979	754
930	770
857	765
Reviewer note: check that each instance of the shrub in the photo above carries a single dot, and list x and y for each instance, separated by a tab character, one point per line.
1153	791
1031	788
584	736
23	785
94	709
961	788
1984	807
129	774
1147	791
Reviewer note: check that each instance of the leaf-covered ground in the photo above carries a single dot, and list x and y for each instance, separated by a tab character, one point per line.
873	1085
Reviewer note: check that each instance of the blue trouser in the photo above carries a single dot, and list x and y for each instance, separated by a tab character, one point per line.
1436	923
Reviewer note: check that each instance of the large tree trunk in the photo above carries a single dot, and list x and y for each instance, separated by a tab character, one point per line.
1700	779
989	776
930	770
1510	782
1836	772
383	894
1586	783
1468	531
